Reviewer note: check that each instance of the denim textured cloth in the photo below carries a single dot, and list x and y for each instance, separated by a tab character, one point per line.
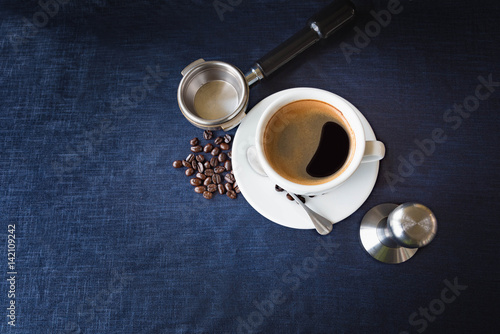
109	238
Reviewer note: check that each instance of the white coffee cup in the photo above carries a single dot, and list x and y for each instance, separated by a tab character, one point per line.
364	151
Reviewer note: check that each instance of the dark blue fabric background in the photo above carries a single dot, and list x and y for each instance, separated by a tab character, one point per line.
111	239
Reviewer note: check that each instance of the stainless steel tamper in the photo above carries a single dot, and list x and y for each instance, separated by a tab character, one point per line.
393	233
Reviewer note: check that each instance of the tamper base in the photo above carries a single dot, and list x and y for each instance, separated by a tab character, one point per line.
376	241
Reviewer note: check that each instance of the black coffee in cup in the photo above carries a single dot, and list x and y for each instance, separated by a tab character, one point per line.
308	142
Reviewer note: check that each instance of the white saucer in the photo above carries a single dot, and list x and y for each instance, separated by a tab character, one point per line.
259	190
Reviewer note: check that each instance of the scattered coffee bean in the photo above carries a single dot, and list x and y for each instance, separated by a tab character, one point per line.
196	149
200	189
279	189
212	175
207	134
208	148
215	151
229	178
216	178
195	181
219	169
312	196
301	198
222	157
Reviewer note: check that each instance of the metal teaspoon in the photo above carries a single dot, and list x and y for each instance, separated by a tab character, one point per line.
322	225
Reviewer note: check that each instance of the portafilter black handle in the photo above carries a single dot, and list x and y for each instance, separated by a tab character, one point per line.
325	23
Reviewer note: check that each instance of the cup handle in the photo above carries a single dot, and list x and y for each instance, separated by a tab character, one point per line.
374	151
253	160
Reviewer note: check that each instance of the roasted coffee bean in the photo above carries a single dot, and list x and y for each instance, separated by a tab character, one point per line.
222	157
211	173
312	196
200	189
207	134
216	178
215	151
208	148
231	194
278	188
196	149
289	197
229	178
221	189
219	169
214	161
195	182
302	198
201	168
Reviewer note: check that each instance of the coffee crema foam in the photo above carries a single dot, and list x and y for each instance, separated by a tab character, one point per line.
292	137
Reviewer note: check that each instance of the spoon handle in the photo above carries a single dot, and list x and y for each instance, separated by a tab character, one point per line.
322	225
